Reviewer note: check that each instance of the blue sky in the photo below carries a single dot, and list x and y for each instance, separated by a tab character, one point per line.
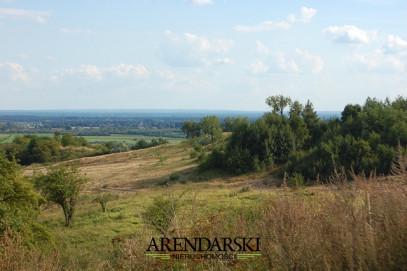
200	54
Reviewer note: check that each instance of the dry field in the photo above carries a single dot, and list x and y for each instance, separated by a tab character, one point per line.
134	170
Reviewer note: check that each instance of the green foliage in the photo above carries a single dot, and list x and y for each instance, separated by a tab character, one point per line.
30	149
214	160
19	203
278	103
143	144
211	126
364	140
174	176
191	129
231	123
296	181
161	212
61	185
245	189
104	198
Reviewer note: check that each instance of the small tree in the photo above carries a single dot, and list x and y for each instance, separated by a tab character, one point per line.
61	185
102	199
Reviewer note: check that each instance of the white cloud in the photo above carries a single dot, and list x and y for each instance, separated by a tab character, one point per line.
350	34
262	49
395	44
32	15
200	2
264	26
376	63
281	62
127	70
50	58
15	71
75	31
305	15
259	67
224	60
121	70
192	50
309	62
89	71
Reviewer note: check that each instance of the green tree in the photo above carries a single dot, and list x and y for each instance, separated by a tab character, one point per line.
61	185
191	129
232	123
103	199
19	203
350	111
211	126
278	103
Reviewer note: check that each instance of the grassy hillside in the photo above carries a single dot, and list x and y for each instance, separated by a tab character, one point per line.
353	226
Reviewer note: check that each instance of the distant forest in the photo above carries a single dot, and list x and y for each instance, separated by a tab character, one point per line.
153	123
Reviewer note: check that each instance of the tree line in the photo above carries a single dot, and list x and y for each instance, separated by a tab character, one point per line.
364	139
29	149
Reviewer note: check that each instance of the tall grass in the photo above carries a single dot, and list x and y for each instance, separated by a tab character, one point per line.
15	256
350	226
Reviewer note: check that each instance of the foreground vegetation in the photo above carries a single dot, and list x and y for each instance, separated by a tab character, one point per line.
358	226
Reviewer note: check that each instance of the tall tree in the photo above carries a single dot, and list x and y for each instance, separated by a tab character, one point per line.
211	126
62	185
278	103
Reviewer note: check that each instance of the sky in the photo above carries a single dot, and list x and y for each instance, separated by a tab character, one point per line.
200	54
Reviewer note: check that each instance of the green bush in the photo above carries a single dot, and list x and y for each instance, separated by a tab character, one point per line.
296	181
174	176
161	212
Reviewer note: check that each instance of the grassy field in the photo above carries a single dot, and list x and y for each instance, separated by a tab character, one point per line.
131	139
346	226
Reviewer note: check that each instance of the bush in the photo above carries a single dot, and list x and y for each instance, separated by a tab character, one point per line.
296	181
161	212
193	154
174	176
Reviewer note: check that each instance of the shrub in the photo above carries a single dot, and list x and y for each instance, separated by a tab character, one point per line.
161	212
296	181
174	176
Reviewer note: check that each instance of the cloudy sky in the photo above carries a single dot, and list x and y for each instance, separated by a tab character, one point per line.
199	54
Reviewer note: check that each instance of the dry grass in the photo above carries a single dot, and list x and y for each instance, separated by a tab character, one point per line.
122	171
357	226
14	256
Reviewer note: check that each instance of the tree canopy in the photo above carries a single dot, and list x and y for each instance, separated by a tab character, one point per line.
19	203
62	185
